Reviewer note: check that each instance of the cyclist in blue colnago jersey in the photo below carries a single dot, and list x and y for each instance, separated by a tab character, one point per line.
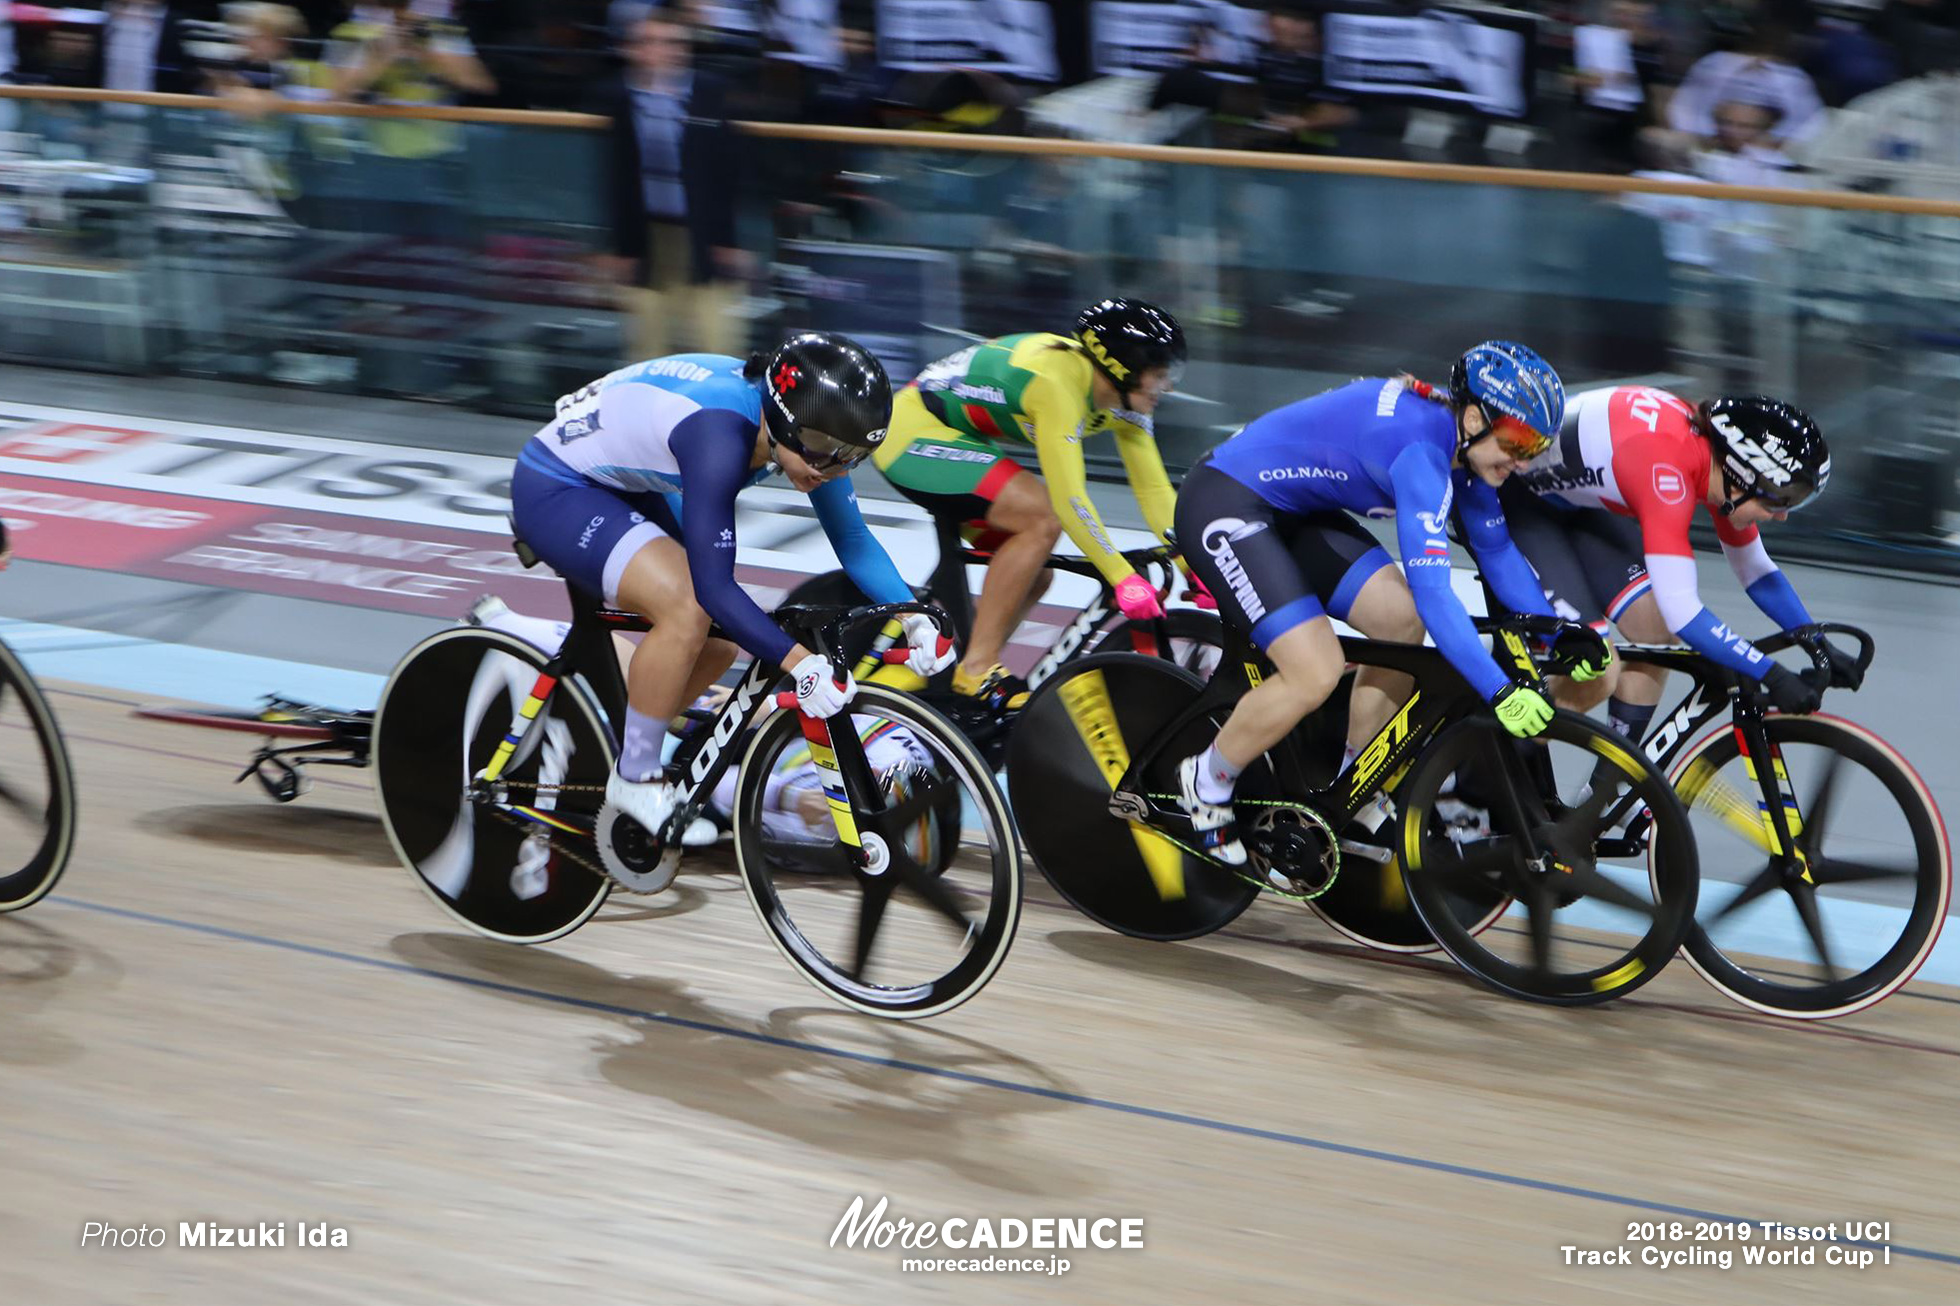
1264	522
599	494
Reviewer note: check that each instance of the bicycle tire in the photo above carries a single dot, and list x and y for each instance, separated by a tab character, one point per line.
757	860
37	873
1766	989
1565	874
425	749
1117	874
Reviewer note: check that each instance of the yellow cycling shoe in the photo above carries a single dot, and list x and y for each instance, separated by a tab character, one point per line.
997	687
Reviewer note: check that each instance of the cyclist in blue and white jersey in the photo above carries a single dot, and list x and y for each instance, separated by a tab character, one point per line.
629	493
1264	521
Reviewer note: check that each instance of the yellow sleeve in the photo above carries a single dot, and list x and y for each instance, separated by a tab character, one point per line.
1145	467
1058	416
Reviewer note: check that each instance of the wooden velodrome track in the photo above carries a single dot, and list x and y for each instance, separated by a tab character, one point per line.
236	1012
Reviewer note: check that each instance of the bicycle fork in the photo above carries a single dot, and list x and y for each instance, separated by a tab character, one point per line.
844	770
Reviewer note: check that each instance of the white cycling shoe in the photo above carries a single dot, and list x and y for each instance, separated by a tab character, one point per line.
1217	832
649	802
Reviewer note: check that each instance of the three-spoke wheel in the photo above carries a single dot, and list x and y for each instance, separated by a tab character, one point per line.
925	917
1848	916
1487	817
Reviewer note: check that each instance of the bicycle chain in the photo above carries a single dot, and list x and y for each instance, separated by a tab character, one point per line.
553	842
1264	886
553	839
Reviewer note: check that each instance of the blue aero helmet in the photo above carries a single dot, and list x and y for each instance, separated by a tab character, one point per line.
1517	389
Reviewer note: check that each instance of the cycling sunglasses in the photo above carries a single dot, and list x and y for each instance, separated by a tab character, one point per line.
1520	441
822	452
1789	500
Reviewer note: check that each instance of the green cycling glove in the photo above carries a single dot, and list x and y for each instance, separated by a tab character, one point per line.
1523	709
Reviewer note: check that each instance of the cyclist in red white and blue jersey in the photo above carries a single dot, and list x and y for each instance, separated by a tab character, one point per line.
1603	516
1264	521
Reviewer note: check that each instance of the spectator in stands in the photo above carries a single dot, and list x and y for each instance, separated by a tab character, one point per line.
141	48
1926	33
1299	106
1744	151
850	95
1615	61
391	54
1759	74
675	165
268	68
1848	58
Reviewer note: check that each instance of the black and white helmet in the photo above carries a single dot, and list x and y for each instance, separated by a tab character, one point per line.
1766	448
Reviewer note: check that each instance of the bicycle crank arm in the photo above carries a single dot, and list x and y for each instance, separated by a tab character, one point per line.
1367	852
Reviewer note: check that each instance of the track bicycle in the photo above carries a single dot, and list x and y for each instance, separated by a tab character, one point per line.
491	760
1485	821
1838	898
1186	636
37	789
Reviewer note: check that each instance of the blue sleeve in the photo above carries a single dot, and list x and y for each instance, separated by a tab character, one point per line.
864	559
1706	635
1420	478
1778	599
1511	577
712	448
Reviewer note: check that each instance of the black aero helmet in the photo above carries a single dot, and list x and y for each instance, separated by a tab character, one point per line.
1766	448
823	395
1127	337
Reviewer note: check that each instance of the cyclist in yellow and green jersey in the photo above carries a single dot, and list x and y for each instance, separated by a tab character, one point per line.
947	452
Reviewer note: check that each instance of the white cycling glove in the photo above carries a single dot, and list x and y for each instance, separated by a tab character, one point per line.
923	636
817	692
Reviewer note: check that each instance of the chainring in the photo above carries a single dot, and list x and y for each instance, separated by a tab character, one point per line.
636	861
1298	845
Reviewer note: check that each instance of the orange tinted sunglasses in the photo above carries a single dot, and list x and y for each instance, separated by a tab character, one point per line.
1519	440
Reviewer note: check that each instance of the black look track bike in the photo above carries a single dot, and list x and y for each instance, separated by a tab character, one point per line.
491	758
1486	824
1813	906
1188	637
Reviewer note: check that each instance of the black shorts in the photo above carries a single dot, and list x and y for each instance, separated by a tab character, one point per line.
1590	561
1270	570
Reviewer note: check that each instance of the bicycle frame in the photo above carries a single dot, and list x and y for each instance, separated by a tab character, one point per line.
948	587
704	757
1441	696
1717	687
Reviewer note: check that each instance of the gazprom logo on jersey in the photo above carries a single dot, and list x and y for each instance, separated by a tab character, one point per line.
1302	474
1219	536
1433	521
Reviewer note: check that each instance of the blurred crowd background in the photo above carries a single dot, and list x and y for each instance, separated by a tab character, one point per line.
489	263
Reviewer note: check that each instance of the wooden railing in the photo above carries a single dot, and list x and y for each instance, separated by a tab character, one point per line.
1441	173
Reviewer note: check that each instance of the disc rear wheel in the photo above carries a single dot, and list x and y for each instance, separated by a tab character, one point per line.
446	707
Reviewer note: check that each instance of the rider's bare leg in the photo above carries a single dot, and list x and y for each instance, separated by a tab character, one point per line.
662	674
1384	609
1020	510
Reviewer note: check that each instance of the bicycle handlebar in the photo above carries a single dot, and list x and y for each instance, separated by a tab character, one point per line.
1811	640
